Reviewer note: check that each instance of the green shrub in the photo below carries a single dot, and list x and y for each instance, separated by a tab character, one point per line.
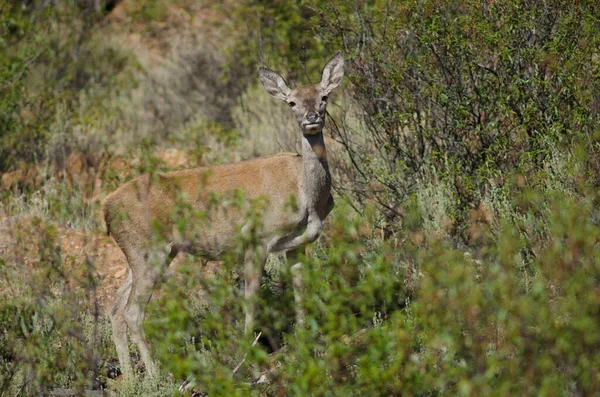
49	56
51	330
471	91
276	34
415	317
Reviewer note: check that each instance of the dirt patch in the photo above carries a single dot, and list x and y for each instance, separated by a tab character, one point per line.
99	251
83	253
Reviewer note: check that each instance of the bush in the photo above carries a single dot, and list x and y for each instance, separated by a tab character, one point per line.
45	69
417	317
468	91
51	330
284	28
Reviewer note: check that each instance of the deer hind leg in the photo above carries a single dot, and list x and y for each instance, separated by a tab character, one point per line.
254	263
146	270
119	327
297	270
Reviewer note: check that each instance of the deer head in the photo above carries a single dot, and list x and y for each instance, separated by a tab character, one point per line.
308	102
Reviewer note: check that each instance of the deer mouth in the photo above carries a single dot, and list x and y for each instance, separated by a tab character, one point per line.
312	128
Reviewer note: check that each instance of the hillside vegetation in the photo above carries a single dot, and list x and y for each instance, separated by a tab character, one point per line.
463	255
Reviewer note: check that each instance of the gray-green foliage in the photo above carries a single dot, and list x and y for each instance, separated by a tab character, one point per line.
414	317
470	89
50	56
52	333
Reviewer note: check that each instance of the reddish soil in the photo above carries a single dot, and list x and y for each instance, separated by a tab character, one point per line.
107	258
78	249
20	242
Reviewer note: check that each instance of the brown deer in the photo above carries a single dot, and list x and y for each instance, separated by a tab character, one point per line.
132	212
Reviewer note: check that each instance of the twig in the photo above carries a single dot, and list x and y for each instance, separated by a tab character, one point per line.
184	386
237	368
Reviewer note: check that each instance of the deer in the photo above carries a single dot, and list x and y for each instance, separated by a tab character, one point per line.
133	210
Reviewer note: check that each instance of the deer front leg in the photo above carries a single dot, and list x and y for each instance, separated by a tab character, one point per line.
292	244
299	239
297	270
254	262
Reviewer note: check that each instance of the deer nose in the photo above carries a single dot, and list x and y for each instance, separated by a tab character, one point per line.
312	117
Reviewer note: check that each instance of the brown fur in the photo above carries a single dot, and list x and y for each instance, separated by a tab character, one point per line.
148	199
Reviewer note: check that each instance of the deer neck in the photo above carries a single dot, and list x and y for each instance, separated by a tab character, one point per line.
316	180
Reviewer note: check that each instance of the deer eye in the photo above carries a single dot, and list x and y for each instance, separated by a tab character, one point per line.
291	104
324	99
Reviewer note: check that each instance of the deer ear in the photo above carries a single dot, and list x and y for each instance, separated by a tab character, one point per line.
332	73
274	83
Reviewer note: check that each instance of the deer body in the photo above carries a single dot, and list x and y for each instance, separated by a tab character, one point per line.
154	198
133	211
